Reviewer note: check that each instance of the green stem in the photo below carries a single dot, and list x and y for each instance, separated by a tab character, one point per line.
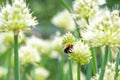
62	67
78	71
109	54
9	64
101	56
70	69
24	75
94	61
117	63
16	58
33	73
89	71
67	7
104	62
58	70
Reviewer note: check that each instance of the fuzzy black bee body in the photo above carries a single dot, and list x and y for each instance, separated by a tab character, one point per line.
68	48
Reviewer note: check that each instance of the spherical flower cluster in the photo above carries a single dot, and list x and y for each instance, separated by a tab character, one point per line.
109	72
28	55
3	72
84	9
41	73
68	38
16	17
77	50
64	20
80	53
104	30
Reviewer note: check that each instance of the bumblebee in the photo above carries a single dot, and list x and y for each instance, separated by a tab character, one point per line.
68	48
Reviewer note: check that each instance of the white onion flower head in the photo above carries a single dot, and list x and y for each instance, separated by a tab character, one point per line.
3	72
41	73
28	55
109	72
104	30
16	17
80	53
84	9
68	38
64	20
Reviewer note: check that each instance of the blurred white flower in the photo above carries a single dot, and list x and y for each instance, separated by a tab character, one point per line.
28	55
114	52
96	77
55	55
56	43
46	47
16	17
3	72
109	71
64	20
41	73
119	75
102	2
2	47
104	30
6	40
34	42
43	46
